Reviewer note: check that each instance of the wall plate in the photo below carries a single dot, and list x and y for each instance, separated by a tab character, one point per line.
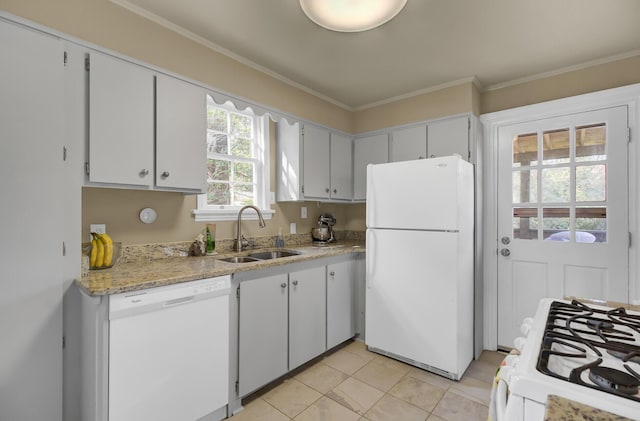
148	215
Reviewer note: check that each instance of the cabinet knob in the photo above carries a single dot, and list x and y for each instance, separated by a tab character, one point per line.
326	190
421	157
332	273
165	174
335	191
144	173
295	282
432	156
283	285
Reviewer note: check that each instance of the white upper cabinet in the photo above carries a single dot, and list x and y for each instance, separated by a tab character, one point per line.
448	137
409	143
145	130
121	125
181	132
316	162
367	150
312	163
341	167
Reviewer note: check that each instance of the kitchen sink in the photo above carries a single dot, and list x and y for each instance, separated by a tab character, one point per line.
240	259
276	254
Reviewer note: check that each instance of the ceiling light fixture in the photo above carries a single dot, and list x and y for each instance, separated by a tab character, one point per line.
351	15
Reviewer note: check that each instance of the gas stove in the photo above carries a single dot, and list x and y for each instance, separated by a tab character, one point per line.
586	353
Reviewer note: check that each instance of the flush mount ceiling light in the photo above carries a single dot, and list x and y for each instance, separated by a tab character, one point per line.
351	15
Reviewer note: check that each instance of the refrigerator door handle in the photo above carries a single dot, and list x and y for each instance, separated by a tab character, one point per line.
370	210
370	258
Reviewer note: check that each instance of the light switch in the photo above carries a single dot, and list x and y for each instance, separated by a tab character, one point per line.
97	228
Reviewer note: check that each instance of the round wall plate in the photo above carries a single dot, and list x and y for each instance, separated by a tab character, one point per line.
148	215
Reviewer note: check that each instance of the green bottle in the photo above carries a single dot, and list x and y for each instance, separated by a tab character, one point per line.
211	245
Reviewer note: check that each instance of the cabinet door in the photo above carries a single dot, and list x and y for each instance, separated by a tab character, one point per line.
409	143
448	137
263	332
288	162
32	133
316	162
341	167
340	303
121	125
367	150
307	315
181	135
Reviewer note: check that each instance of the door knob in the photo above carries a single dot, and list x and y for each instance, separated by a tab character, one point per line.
505	252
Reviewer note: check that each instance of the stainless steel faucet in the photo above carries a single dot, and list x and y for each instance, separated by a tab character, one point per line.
240	240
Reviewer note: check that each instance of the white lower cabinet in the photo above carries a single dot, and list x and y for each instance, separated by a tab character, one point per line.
341	322
287	319
263	332
307	315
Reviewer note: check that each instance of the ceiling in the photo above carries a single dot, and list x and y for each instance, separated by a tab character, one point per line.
429	45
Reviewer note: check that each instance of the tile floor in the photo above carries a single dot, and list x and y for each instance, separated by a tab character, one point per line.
355	384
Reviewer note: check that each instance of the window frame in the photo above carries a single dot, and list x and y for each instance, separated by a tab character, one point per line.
212	213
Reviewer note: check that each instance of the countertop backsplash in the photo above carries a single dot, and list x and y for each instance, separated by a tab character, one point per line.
145	252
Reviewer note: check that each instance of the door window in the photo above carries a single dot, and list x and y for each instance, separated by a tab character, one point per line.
559	188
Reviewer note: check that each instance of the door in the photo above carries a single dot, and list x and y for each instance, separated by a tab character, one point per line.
32	171
562	213
409	143
340	303
448	137
316	162
263	331
341	180
121	122
307	315
181	135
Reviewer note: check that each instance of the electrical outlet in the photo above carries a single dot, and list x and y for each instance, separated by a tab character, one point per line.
98	228
303	212
292	228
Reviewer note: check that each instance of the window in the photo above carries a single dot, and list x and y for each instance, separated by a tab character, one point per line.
237	162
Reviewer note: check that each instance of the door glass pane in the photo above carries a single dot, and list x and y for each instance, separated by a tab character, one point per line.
591	142
556	147
591	224
525	150
556	224
590	183
525	223
525	186
555	185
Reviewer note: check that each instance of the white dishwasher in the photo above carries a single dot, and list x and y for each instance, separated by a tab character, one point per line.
169	352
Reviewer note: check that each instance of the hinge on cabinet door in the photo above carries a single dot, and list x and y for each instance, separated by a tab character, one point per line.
238	292
86	167
468	124
301	130
86	63
237	386
302	189
64	249
629	239
64	342
64	153
64	58
628	134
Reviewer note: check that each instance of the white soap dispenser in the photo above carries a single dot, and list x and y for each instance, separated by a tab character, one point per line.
279	240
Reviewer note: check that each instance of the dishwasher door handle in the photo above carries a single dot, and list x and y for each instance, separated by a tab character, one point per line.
178	301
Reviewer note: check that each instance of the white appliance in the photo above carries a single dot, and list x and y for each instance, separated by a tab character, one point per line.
419	263
583	352
169	352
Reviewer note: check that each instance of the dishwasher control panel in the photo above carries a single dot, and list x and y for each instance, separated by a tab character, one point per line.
170	295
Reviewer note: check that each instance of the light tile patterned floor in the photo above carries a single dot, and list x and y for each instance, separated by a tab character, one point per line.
355	384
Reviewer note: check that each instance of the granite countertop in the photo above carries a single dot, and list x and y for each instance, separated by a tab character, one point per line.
561	409
134	276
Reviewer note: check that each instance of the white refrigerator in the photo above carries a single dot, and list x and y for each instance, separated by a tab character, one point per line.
419	263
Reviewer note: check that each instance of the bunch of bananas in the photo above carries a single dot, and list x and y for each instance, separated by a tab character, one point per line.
101	251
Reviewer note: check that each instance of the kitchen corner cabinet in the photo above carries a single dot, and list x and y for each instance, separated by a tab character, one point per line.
307	315
341	322
449	136
408	143
263	335
367	150
145	130
312	163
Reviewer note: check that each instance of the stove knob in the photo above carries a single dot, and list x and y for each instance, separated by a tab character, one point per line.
526	326
519	342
